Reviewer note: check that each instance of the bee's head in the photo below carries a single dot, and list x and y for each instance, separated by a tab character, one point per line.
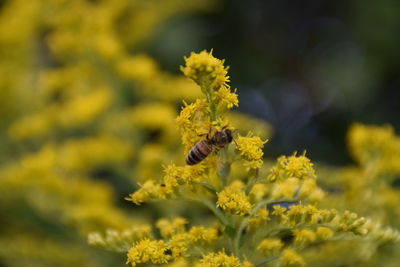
228	134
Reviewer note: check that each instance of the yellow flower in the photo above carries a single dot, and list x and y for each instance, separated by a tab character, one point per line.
270	246
295	214
198	233
226	98
84	108
250	148
206	70
278	210
234	201
119	241
84	154
261	216
377	146
285	189
303	236
148	251
182	175
258	192
191	112
291	258
144	194
169	228
324	233
294	166
310	191
152	116
219	259
193	121
247	264
178	245
179	263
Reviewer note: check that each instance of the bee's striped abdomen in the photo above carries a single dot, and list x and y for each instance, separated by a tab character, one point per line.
199	152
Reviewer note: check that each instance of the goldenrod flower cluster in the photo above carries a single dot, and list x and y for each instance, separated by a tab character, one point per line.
86	116
261	216
119	241
294	166
234	201
370	188
250	148
146	250
291	258
220	259
207	71
141	246
79	103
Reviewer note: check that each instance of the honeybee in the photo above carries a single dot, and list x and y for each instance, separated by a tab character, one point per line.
203	148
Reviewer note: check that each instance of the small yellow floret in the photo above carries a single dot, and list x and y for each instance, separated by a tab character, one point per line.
250	148
144	193
291	258
169	228
199	233
303	236
270	246
324	233
226	98
294	166
206	70
234	201
219	259
148	251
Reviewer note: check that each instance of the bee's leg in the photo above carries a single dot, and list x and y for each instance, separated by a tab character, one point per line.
208	134
233	139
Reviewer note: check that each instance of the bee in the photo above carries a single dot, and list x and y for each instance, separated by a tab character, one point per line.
203	148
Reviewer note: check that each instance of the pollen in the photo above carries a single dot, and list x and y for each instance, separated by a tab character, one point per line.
206	70
250	148
270	246
291	258
148	251
234	201
292	167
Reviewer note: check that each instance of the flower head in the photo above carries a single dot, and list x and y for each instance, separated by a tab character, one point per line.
234	201
219	259
303	236
250	148
206	70
148	251
270	246
226	98
293	166
291	258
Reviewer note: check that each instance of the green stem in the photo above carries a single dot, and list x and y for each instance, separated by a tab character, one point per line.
223	167
266	261
281	228
243	225
238	236
207	186
213	107
209	204
252	181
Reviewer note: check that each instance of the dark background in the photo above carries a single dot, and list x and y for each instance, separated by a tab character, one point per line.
310	68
